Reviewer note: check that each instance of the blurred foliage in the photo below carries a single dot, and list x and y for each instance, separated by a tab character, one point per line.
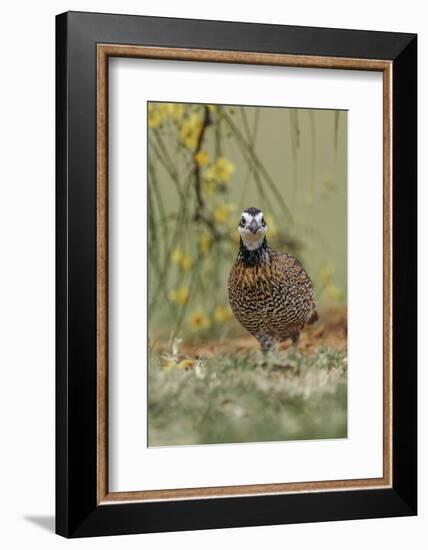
205	167
235	398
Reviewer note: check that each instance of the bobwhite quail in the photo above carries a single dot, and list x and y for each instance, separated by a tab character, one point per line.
270	293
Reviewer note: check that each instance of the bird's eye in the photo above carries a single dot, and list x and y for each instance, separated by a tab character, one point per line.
242	222
263	222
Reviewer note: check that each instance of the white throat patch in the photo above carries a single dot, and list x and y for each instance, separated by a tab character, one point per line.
250	240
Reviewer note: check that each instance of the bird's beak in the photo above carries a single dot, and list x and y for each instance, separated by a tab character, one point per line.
253	227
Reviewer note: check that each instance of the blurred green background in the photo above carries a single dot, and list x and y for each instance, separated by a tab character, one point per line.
209	162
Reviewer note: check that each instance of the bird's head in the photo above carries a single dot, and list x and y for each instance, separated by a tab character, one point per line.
252	228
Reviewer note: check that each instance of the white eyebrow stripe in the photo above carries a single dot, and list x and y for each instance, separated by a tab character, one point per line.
247	216
259	217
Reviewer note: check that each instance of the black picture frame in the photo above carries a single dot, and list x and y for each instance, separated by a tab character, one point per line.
77	511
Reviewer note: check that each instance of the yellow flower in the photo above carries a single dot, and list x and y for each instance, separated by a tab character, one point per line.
205	241
190	130
221	170
201	158
199	320
223	314
175	110
185	262
182	259
210	173
155	117
179	296
221	213
163	109
271	225
176	255
185	363
224	169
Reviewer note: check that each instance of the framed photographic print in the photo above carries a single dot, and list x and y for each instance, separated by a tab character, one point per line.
236	274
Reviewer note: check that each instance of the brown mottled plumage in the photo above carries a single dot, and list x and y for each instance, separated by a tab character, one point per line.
269	291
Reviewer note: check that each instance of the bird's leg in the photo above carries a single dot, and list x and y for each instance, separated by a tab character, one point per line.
267	346
295	339
265	341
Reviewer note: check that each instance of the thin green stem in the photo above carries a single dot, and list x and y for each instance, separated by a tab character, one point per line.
183	309
246	153
251	136
313	152
259	165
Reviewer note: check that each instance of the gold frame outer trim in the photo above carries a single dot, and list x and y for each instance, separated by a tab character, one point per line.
104	51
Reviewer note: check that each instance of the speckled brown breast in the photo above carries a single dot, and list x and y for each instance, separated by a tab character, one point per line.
273	297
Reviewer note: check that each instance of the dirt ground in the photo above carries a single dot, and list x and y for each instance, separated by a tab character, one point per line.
330	331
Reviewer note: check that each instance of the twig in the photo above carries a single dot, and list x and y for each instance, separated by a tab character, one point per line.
196	168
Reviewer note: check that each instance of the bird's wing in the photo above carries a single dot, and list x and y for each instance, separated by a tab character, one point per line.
296	281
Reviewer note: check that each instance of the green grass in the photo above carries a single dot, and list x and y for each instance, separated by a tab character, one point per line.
235	398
